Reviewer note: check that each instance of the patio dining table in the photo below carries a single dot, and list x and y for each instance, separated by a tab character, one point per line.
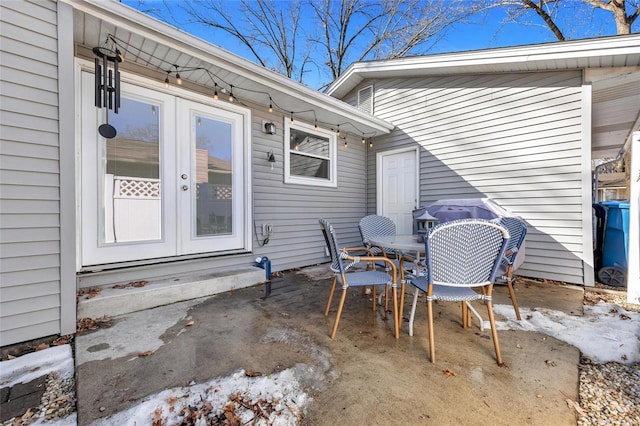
409	243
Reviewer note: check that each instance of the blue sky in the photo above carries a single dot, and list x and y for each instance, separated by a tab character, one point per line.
491	30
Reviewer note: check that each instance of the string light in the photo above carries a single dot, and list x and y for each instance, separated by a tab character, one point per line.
174	68
178	78
345	142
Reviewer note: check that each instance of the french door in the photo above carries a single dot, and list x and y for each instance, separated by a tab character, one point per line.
172	181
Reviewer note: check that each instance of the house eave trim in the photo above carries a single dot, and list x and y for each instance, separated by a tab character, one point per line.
137	22
510	59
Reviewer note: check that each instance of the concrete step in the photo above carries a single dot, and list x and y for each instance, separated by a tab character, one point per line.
112	301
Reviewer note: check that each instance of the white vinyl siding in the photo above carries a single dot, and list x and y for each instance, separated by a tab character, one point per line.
515	138
30	290
294	210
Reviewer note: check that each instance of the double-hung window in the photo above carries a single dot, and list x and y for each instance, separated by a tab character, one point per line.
310	155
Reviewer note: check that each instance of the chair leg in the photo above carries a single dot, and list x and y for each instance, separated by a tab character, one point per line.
412	315
335	324
432	349
512	294
494	332
401	313
465	316
333	287
396	323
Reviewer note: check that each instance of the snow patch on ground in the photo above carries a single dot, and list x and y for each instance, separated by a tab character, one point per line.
606	332
57	359
275	400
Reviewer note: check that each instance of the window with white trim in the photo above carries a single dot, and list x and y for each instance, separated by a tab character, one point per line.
310	155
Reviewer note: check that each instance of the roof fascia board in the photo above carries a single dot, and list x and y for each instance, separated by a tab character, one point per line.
139	23
509	57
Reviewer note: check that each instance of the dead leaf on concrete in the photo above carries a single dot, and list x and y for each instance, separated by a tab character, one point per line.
250	373
189	324
449	373
88	292
284	314
539	395
572	404
63	340
85	324
42	346
624	317
145	353
550	363
131	284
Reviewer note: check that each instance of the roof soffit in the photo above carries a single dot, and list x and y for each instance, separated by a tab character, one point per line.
188	51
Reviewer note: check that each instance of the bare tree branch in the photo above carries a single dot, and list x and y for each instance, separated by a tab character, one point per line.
624	12
539	8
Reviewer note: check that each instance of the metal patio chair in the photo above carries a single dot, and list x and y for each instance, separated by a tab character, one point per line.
460	255
376	225
517	230
342	261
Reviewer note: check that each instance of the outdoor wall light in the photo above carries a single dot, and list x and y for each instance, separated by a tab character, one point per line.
270	128
271	158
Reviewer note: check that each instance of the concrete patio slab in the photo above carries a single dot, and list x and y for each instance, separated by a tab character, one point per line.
364	376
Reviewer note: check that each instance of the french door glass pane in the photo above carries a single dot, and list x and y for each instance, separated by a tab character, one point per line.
213	169
132	179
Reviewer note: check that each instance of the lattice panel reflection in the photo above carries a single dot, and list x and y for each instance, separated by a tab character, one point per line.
138	188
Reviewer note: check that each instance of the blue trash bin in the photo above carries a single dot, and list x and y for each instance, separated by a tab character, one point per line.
615	248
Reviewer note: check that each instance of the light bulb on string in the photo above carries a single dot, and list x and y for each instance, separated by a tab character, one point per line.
338	131
178	79
270	104
166	81
370	143
231	94
215	91
363	140
292	116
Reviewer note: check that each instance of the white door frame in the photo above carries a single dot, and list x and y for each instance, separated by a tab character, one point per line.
379	186
144	83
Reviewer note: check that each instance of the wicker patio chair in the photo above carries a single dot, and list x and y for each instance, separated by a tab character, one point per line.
460	255
342	261
517	230
375	225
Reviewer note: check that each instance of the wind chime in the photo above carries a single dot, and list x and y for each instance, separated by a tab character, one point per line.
107	83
